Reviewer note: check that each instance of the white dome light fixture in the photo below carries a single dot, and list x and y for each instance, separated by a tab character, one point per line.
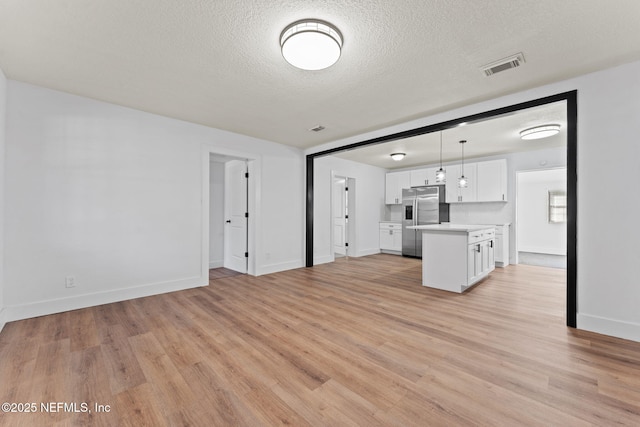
539	132
397	156
311	44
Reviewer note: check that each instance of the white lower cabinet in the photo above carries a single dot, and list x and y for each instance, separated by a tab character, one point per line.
480	256
502	245
390	237
472	263
456	260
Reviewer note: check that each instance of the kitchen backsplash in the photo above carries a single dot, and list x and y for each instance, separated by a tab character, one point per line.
393	213
466	213
480	213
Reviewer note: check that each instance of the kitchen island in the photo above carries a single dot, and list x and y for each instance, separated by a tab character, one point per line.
456	256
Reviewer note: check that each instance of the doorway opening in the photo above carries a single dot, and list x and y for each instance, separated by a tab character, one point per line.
541	217
343	215
229	206
571	111
236	213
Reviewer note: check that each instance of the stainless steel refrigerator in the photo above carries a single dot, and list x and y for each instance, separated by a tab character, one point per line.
420	206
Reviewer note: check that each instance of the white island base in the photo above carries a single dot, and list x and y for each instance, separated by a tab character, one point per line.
455	257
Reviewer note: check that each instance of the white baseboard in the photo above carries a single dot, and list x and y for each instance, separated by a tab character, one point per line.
59	305
323	259
365	252
216	264
612	327
387	251
283	266
328	258
545	251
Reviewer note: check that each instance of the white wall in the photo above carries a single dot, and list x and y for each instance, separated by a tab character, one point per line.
281	216
3	99
216	214
608	129
608	125
535	232
369	209
114	196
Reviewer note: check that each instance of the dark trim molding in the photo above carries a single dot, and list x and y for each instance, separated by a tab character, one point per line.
309	211
570	97
572	209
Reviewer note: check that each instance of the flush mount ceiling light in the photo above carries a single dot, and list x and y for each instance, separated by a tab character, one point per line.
398	156
311	44
538	132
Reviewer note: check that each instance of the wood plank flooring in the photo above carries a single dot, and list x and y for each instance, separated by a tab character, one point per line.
219	273
355	343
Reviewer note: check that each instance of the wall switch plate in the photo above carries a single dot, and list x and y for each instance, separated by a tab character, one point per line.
70	282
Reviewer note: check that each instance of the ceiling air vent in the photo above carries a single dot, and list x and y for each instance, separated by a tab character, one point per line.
512	61
317	128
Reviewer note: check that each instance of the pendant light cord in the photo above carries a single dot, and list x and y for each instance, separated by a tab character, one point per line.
462	142
440	150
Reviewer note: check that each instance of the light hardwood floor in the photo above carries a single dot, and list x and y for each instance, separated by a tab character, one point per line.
356	342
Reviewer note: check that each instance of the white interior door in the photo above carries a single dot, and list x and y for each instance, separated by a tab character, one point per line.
235	204
339	215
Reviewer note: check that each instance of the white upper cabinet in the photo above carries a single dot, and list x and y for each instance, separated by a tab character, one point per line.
395	182
454	194
492	181
426	176
487	182
451	183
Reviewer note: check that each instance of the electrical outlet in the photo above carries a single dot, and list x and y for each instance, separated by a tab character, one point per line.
70	281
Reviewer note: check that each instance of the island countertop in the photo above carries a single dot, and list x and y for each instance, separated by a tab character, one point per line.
465	228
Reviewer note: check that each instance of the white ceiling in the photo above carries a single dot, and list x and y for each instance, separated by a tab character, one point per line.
218	63
499	135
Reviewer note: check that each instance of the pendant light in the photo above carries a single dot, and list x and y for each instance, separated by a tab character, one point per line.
440	173
463	181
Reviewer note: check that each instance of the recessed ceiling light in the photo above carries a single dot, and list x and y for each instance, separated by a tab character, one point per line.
538	132
397	156
311	44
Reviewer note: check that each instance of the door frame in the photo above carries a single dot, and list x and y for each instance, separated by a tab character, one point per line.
350	223
571	98
335	175
254	166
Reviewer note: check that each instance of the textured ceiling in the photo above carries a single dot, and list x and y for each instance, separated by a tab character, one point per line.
218	63
498	135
